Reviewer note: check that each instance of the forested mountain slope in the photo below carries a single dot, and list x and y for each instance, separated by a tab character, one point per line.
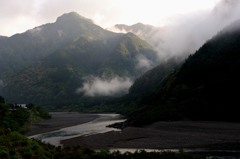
204	88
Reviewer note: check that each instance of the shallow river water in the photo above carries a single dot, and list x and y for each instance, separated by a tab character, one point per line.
94	127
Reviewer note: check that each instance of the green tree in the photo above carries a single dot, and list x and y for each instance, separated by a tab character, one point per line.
4	108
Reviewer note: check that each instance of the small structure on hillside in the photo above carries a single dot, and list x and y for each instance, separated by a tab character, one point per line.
15	106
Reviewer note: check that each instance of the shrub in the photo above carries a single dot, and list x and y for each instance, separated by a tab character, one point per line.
4	154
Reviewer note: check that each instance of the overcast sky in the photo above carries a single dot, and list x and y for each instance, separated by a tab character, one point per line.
20	15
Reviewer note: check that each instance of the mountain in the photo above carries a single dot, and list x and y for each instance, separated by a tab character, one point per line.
136	28
144	31
22	50
2	37
204	88
93	53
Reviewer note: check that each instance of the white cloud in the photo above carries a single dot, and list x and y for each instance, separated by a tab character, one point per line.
96	86
143	63
116	30
190	32
98	18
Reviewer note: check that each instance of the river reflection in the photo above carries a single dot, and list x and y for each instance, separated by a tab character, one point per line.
94	127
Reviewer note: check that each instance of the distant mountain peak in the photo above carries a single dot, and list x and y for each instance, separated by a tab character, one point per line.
141	25
134	27
72	16
2	37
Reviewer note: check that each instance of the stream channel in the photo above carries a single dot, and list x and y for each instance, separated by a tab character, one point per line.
99	125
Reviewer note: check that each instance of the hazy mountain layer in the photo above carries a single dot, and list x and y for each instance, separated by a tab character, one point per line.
145	32
2	37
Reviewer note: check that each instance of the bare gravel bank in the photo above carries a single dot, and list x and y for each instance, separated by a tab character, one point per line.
163	135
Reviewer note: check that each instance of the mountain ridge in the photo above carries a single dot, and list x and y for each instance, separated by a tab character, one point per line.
144	31
22	50
3	37
89	51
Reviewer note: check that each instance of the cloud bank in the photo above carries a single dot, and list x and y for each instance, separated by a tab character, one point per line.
96	86
18	16
144	63
190	32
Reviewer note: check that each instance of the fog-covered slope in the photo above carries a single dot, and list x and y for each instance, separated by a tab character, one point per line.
204	88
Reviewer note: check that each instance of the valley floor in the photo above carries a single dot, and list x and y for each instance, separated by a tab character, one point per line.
60	120
166	135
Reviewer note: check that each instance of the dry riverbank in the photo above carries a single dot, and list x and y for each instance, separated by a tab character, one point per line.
60	120
164	135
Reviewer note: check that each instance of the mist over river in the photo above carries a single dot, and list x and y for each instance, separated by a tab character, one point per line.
93	127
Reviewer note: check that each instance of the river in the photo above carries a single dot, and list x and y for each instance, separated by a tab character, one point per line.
94	127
